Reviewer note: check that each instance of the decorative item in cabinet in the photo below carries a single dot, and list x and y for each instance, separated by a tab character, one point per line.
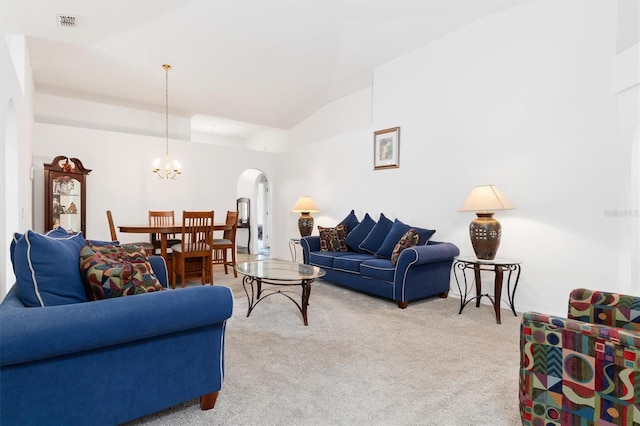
65	194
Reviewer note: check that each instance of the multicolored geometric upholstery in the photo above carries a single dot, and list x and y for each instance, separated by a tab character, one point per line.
582	370
113	271
600	307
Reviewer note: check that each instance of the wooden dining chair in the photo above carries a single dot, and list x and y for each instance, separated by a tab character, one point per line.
146	245
163	218
221	246
193	255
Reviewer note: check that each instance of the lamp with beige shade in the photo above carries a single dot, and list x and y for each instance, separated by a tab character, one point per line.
485	231
304	206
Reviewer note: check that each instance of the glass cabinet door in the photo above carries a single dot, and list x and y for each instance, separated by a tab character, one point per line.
65	195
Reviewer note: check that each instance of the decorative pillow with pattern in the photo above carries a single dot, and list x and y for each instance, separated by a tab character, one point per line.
333	239
112	271
409	239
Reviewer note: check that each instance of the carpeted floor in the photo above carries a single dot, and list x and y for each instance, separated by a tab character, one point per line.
361	361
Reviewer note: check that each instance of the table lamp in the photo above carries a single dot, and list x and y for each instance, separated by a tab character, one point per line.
304	206
485	231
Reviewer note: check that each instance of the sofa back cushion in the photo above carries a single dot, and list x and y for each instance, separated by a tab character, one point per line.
114	271
374	239
395	234
351	221
46	268
359	233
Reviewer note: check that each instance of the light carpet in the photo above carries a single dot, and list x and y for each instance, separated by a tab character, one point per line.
361	361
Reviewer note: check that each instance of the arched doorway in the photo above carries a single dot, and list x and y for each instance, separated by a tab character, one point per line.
254	185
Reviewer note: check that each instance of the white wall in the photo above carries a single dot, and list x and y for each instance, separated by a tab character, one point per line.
16	116
521	100
121	179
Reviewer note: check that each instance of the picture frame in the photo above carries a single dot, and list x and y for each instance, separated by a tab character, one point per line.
386	148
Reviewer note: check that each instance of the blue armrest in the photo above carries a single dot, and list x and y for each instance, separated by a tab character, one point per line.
30	334
309	244
430	253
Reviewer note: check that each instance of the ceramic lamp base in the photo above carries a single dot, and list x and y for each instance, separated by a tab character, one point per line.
485	233
305	224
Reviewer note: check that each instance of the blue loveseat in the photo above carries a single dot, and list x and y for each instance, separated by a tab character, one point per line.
107	361
362	260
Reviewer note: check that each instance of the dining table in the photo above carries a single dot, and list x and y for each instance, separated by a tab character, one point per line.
164	231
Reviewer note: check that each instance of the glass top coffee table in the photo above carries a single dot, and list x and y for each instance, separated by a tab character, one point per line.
277	273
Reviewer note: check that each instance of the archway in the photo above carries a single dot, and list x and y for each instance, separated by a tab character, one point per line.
254	185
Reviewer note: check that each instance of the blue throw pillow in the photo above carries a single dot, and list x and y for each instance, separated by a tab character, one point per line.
393	237
351	221
374	240
359	233
425	235
395	234
58	232
47	269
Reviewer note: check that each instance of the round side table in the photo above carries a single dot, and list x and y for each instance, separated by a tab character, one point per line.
500	267
293	242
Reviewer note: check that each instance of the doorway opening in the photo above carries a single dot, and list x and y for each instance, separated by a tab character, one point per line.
254	238
262	210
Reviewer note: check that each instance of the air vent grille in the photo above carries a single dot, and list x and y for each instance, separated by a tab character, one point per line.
66	21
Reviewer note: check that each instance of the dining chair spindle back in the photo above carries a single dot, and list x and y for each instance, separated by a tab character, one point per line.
221	246
162	218
193	255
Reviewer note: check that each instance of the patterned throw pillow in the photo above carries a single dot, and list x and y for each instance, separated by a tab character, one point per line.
113	271
333	239
409	239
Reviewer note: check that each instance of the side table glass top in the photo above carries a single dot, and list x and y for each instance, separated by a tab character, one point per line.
279	270
496	261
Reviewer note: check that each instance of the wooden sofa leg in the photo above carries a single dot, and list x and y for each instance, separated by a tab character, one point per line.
403	305
208	401
444	294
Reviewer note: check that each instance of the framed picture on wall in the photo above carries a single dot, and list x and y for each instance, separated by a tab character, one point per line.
386	148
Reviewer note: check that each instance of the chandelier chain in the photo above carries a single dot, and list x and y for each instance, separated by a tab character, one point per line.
169	172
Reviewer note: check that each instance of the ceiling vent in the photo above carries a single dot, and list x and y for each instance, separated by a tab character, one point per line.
66	21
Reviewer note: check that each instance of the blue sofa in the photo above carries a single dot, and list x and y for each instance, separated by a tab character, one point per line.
421	271
113	360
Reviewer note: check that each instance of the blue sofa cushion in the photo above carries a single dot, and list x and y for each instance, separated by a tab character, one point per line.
380	269
374	239
425	235
351	221
333	239
47	268
350	263
323	259
359	233
397	231
409	239
58	232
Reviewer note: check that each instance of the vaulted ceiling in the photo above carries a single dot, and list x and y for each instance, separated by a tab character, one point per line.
267	62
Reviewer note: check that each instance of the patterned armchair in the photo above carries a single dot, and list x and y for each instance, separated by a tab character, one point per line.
583	370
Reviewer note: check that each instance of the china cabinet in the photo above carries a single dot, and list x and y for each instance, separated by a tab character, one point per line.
65	194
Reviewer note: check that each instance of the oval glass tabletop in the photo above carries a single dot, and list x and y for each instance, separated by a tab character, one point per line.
279	270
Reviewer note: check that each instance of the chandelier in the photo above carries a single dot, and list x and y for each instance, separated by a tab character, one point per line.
169	171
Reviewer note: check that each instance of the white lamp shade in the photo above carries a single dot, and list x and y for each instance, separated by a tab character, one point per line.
486	198
305	205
